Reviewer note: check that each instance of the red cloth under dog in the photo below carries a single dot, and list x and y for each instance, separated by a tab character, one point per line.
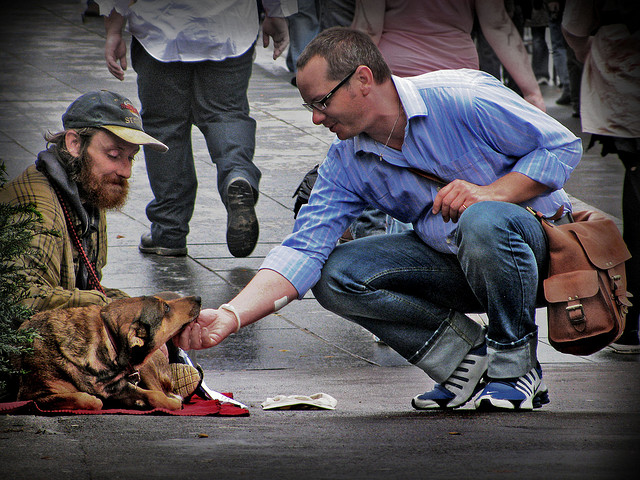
195	407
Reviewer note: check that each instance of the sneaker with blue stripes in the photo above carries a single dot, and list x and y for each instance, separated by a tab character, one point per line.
523	393
463	384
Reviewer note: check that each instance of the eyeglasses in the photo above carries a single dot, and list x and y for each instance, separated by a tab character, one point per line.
321	104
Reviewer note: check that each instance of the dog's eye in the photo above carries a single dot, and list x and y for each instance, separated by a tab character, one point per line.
167	308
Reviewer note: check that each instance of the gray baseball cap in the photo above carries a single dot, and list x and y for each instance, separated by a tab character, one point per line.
114	113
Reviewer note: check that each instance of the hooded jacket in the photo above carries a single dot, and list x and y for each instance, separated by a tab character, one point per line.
57	277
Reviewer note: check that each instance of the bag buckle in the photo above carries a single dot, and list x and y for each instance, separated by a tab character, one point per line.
576	315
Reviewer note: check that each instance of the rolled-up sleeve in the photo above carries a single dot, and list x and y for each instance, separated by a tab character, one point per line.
551	167
301	270
546	151
332	207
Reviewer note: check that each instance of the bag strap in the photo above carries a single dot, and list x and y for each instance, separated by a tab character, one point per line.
434	178
430	176
556	216
94	281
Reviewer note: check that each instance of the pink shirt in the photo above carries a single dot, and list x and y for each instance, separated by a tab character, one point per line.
421	36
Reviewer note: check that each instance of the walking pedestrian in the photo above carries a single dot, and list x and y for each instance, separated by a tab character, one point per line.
194	61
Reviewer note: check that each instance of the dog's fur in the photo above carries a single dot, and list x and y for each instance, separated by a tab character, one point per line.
87	357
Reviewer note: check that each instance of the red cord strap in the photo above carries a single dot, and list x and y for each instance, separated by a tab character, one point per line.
94	281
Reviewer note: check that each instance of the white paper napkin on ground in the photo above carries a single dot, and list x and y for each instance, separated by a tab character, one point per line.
287	402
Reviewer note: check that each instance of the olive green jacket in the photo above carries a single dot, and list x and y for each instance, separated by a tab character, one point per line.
52	272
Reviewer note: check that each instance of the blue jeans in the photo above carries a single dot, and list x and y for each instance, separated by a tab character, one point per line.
175	96
540	53
303	26
559	53
415	298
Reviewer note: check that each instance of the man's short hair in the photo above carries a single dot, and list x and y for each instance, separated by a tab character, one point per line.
344	49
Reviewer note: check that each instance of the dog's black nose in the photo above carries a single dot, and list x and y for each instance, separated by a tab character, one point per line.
198	299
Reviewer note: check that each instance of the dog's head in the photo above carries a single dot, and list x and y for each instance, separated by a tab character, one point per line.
141	325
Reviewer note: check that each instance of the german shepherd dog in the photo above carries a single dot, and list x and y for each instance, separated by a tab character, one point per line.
85	358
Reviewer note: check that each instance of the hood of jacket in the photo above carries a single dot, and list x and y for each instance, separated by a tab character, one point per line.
49	163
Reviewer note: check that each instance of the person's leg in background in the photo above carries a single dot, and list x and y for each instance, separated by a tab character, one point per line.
629	342
559	53
540	54
303	26
221	112
164	90
574	67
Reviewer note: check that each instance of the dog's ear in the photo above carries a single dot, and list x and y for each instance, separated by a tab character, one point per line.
133	320
143	328
135	340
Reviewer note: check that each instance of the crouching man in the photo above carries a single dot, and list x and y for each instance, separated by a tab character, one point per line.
473	248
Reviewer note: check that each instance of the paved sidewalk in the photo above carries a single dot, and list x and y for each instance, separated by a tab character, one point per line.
589	430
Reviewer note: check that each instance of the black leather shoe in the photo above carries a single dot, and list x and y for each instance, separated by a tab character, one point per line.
242	223
147	246
565	99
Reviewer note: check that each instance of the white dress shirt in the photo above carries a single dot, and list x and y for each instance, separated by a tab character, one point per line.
195	30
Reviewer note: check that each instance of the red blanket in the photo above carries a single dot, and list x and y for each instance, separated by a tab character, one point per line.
195	407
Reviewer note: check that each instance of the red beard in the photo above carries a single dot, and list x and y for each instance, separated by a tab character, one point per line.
103	192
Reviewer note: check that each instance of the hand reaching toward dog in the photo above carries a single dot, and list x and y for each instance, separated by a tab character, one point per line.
266	293
210	328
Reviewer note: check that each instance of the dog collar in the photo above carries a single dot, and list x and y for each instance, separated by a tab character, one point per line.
132	375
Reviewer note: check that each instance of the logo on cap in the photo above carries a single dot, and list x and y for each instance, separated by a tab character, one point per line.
128	106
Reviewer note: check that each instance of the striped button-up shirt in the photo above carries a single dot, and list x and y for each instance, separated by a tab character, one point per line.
461	124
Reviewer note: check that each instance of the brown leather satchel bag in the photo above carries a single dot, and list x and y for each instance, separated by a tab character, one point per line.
586	287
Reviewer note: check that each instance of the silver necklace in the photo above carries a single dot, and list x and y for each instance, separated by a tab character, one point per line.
390	133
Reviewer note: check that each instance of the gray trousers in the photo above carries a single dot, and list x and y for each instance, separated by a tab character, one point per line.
211	95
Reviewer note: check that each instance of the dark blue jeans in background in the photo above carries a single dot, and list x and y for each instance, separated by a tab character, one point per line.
211	95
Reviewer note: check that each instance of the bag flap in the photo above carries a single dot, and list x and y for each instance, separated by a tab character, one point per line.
602	242
571	285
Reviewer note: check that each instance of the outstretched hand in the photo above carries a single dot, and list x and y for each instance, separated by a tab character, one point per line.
209	329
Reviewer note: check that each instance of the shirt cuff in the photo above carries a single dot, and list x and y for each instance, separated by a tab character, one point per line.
301	270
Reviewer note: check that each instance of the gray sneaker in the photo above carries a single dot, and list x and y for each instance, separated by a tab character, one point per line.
147	246
463	384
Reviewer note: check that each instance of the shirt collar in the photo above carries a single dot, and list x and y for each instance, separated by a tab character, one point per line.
413	106
410	97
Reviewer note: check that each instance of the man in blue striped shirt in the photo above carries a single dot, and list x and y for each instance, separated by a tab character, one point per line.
474	247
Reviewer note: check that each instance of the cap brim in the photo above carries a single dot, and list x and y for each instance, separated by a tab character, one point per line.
136	137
